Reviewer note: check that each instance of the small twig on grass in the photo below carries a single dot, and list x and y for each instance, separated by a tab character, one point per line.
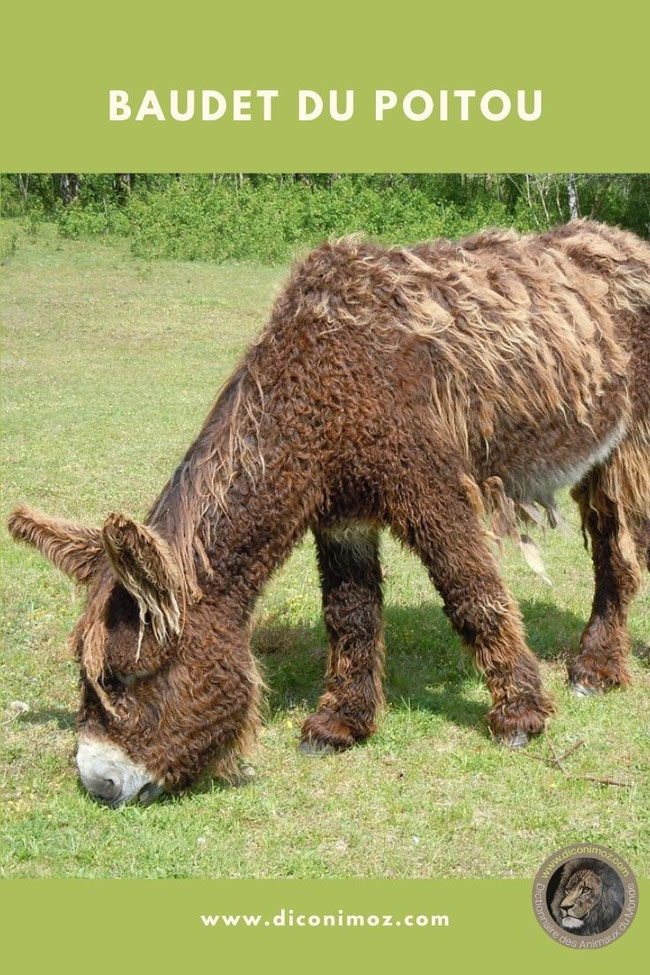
535	758
557	761
572	749
594	778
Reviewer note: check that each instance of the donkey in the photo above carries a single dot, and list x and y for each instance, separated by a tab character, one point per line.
443	391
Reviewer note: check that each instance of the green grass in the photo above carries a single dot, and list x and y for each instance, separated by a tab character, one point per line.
109	367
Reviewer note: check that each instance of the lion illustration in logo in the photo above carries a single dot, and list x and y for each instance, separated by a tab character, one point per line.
589	897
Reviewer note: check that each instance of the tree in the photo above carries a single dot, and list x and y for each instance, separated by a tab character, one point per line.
572	193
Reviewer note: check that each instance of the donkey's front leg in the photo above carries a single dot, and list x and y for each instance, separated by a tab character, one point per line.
350	573
444	529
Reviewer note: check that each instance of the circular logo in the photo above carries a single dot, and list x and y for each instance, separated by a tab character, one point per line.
585	896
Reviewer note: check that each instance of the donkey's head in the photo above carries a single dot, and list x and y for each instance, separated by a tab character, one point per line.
168	684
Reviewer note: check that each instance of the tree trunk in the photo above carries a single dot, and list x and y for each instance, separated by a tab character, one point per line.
572	193
69	184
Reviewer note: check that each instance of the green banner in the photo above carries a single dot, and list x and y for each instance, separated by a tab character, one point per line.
291	926
472	87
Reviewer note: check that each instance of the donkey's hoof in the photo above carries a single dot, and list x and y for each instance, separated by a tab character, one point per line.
578	689
519	740
315	748
324	733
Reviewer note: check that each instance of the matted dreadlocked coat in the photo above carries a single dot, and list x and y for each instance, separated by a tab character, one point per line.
445	391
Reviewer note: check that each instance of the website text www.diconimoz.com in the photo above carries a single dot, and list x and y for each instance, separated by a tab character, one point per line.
288	918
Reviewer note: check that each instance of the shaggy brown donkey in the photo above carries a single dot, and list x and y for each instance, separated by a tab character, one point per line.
442	391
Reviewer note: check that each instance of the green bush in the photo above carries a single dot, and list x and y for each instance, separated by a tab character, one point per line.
269	217
77	220
268	222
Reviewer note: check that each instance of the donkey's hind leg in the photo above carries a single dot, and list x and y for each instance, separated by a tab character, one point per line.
350	573
619	546
442	525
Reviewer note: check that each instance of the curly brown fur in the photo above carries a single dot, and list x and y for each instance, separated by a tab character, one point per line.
419	389
589	897
350	573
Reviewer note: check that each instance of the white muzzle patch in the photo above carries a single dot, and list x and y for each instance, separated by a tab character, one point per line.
110	775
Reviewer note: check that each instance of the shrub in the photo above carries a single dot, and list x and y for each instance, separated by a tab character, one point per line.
269	217
77	220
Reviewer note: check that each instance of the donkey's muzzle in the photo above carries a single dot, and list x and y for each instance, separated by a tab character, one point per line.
111	776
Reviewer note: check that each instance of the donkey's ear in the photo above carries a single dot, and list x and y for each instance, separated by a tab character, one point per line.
145	565
75	549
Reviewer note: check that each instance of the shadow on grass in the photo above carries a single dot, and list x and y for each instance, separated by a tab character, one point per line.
426	667
64	720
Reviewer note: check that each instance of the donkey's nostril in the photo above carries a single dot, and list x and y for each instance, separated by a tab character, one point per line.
107	789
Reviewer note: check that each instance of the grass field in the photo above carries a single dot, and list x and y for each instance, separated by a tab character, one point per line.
109	367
